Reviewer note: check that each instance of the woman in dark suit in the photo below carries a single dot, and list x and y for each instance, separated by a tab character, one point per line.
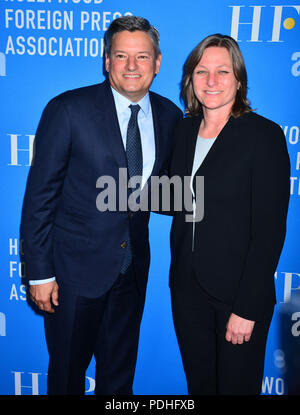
222	267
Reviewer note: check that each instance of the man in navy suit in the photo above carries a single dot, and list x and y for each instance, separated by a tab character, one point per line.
87	268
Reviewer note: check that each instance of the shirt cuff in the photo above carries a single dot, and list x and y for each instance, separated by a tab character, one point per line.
37	282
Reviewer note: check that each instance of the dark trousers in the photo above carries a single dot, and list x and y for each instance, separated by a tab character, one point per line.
212	365
106	327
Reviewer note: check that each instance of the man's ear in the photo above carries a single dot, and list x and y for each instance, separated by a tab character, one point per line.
107	62
157	64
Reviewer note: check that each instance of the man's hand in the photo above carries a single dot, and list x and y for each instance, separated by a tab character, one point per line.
43	294
238	329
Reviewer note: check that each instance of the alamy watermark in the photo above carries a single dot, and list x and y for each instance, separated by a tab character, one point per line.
159	194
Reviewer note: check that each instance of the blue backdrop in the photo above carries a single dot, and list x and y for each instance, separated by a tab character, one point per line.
49	46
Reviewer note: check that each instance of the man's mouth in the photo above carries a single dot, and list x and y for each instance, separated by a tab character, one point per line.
131	76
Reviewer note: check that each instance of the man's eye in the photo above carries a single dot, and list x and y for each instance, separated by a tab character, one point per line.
143	57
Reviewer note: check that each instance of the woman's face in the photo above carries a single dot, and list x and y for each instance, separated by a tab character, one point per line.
214	82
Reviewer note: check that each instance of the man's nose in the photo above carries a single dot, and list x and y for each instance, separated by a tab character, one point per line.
131	63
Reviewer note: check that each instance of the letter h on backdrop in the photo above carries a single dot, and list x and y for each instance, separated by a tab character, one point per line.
15	149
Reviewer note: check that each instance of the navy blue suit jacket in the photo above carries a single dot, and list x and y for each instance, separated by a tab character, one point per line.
64	234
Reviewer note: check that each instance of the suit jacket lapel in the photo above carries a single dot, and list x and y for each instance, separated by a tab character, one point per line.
158	132
191	143
216	149
109	124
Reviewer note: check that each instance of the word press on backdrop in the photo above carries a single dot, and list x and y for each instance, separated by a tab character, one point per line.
49	46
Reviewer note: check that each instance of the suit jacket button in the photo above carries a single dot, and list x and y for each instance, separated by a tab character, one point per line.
123	244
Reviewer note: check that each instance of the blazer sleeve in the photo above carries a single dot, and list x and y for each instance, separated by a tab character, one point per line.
270	198
43	189
167	207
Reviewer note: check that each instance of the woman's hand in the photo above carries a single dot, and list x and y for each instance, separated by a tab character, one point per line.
238	329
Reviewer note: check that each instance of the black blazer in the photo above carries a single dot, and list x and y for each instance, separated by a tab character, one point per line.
77	141
246	193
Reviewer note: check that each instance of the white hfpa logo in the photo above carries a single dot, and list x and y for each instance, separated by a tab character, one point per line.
273	14
2	64
2	324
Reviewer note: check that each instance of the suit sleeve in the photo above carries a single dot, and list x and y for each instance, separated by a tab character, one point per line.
270	198
43	190
168	208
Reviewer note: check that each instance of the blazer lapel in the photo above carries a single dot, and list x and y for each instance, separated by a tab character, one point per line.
158	132
109	124
191	143
217	148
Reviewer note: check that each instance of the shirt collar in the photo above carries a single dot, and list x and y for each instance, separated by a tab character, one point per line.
122	103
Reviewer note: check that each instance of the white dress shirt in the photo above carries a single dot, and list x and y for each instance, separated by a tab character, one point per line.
145	122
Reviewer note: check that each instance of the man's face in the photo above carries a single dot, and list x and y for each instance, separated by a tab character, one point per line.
132	64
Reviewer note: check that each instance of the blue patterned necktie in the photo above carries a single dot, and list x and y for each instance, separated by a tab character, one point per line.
135	164
133	144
